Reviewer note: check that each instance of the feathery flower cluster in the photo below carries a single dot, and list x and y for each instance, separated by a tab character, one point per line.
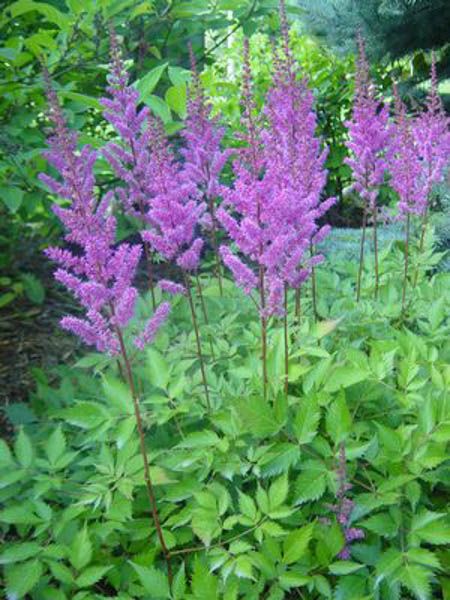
203	157
280	176
158	189
131	158
344	506
175	210
406	164
432	134
100	275
295	171
369	134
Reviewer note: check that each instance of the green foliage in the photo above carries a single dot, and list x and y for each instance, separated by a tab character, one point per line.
390	26
244	490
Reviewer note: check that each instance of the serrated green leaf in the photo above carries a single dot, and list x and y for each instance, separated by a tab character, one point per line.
343	377
204	584
21	579
153	580
338	420
19	515
91	575
19	552
417	580
179	584
158	368
23	449
247	506
146	84
344	567
278	491
86	415
81	549
55	445
307	420
296	544
311	483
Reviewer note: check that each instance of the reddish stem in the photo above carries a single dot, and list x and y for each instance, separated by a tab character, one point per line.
197	338
147	477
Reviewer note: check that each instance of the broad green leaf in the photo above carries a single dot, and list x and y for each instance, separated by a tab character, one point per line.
290	580
243	567
179	583
52	14
146	84
311	483
6	458
88	101
204	584
86	415
19	515
21	579
158	369
159	108
200	439
81	550
257	417
19	552
176	98
205	525
344	567
153	580
343	377
179	76
417	580
307	420
278	491
338	420
91	575
55	445
296	544
247	506
23	449
12	197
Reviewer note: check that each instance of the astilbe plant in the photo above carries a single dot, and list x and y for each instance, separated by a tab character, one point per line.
100	273
156	188
129	157
406	180
369	133
272	211
174	216
295	176
431	129
204	159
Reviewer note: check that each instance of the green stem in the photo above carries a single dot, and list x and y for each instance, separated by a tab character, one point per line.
361	254
405	278
197	338
375	247
286	342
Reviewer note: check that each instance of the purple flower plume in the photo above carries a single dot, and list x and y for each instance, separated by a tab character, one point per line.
203	157
175	210
153	326
406	163
369	133
431	130
99	273
272	211
130	158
